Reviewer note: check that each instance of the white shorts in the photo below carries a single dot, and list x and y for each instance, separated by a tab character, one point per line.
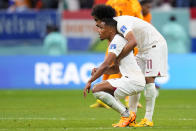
154	61
125	87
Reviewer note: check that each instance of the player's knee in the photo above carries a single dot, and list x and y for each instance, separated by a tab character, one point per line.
119	94
99	95
95	89
96	95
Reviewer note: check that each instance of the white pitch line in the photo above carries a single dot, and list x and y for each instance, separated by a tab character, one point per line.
179	107
99	128
33	118
65	119
42	118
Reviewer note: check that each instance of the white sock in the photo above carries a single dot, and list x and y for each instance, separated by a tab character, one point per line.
150	94
112	102
133	102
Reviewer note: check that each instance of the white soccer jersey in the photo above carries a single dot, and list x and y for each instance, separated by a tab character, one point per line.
144	33
152	55
128	65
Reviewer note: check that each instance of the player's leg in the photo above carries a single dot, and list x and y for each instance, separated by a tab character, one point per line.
133	105
155	65
98	102
104	91
133	102
146	64
120	94
134	99
125	88
150	95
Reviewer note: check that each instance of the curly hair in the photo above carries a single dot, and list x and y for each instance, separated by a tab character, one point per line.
110	22
103	12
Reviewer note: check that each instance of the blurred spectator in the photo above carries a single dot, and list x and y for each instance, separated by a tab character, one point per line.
165	6
193	3
54	43
176	36
86	4
4	4
146	6
182	3
18	5
71	5
126	7
45	4
50	4
157	3
37	4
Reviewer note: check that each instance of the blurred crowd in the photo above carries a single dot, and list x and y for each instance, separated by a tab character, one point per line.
21	5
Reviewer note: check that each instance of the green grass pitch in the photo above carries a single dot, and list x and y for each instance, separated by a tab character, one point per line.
67	110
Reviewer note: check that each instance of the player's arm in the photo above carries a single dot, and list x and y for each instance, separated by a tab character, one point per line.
100	71
131	43
103	67
114	69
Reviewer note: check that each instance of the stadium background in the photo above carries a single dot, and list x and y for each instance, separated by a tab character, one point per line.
25	65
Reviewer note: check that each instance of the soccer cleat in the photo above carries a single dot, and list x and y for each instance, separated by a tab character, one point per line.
132	124
132	116
125	121
144	123
99	103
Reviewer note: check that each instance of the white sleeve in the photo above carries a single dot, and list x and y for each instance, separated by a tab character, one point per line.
124	27
117	45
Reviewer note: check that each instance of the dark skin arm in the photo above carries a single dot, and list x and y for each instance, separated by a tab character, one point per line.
114	69
100	71
128	47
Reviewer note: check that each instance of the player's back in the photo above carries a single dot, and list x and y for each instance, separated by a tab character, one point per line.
145	33
128	65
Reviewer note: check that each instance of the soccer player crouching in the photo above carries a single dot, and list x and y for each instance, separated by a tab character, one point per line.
151	58
132	81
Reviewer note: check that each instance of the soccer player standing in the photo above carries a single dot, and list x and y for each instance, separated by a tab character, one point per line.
152	55
132	81
122	7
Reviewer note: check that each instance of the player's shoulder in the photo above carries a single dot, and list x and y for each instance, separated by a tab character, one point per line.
125	18
118	39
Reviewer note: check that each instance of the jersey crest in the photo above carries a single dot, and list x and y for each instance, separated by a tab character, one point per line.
113	46
123	29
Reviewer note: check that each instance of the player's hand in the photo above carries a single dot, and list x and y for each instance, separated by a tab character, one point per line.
93	71
87	88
